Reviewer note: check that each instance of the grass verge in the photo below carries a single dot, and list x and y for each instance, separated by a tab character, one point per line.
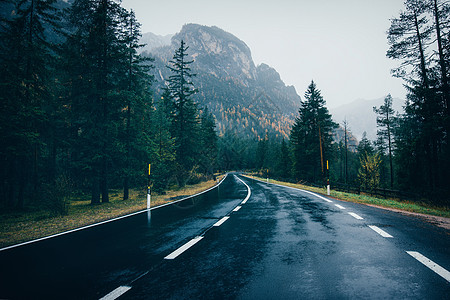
19	227
408	206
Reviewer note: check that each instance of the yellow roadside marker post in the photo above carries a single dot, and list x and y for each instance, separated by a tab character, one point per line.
148	187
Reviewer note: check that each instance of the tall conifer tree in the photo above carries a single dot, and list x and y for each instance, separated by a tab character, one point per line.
25	61
311	136
97	59
386	123
185	121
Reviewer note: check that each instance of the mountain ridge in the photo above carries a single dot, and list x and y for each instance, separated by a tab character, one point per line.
248	100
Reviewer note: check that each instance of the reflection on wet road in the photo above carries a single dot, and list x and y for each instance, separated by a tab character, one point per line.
278	243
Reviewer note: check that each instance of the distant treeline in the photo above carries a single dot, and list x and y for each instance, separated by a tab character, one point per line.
78	113
412	151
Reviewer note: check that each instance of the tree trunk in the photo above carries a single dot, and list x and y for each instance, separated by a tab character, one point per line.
126	188
104	181
11	182
422	55
21	185
445	89
95	199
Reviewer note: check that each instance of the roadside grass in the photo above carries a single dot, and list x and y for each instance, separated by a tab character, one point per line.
18	227
409	206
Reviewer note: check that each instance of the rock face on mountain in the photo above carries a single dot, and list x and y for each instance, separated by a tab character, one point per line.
248	100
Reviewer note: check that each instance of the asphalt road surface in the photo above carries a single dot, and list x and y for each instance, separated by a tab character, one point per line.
244	240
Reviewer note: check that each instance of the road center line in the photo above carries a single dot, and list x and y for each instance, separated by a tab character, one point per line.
116	293
237	208
355	216
221	221
183	248
339	206
431	264
380	231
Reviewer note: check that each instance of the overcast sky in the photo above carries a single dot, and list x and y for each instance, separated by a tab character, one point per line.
340	44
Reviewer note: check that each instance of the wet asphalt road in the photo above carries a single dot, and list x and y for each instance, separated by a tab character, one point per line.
281	244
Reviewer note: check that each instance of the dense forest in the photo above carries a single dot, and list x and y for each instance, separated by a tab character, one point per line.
411	152
79	113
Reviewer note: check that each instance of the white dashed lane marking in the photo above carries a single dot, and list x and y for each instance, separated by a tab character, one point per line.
221	221
183	248
339	206
380	231
116	293
431	264
355	216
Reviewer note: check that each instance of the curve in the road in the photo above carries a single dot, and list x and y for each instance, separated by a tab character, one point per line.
174	254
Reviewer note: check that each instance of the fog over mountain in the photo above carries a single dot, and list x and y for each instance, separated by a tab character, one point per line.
360	116
249	100
246	99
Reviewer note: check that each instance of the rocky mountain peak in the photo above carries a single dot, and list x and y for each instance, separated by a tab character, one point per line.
231	56
247	100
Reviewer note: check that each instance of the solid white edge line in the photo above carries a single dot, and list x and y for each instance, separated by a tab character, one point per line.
108	221
289	187
183	248
249	191
339	206
431	265
237	208
314	194
355	216
221	221
116	293
380	231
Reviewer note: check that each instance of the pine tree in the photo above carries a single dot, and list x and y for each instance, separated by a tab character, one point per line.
185	122
163	161
26	56
135	94
386	123
284	162
208	143
365	147
311	136
408	36
262	153
441	12
413	38
97	60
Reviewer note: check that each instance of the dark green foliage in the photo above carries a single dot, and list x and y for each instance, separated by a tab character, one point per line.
386	124
422	135
311	137
284	161
184	115
365	147
108	94
262	153
138	109
163	160
208	143
25	73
